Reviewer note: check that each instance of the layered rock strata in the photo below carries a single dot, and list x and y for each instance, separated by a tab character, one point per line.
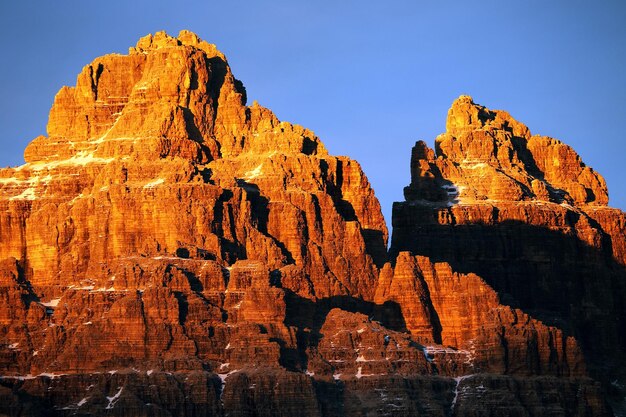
162	223
169	250
527	215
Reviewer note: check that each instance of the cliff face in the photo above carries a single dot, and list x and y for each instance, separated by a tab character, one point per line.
169	249
145	230
524	213
155	154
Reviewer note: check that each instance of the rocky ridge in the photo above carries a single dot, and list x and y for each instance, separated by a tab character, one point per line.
167	249
527	215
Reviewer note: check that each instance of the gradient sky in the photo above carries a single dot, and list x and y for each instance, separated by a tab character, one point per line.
369	77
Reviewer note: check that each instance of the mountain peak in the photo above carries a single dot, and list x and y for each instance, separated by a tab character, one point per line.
465	115
486	155
169	97
161	39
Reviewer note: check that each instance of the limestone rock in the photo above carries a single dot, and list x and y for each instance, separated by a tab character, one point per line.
164	221
486	155
525	214
168	250
460	316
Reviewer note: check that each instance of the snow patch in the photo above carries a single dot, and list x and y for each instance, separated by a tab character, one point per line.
52	303
110	289
10	180
223	377
360	374
78	197
154	183
451	189
453	192
431	351
473	164
34	180
101	138
89	287
172	258
31	183
150	372
82	402
27	194
81	158
254	173
114	399
50	375
13	345
18	377
458	380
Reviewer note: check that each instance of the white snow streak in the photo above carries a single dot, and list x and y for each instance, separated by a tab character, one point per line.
458	380
154	183
114	399
252	174
52	303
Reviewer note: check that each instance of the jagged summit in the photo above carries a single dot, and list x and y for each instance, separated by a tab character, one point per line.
170	97
465	115
487	155
161	39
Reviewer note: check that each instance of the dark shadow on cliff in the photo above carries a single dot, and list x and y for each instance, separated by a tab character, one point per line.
260	215
375	244
309	316
16	401
334	189
554	277
24	274
231	250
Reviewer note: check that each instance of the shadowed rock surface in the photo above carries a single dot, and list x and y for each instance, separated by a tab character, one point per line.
169	250
524	213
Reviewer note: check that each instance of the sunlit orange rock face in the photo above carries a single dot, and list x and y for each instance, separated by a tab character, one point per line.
169	250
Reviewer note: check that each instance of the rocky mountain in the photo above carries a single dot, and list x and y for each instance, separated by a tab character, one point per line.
169	250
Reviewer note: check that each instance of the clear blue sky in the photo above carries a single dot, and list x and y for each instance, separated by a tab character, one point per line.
369	77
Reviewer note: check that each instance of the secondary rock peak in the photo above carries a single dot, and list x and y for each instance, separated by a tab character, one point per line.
465	115
487	155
